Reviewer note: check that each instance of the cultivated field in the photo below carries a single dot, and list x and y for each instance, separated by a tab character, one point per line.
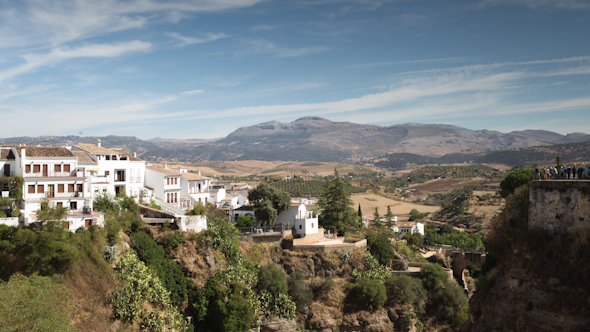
401	209
441	185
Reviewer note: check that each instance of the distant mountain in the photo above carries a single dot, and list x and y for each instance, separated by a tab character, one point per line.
319	139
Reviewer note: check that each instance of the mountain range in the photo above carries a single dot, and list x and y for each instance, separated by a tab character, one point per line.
319	139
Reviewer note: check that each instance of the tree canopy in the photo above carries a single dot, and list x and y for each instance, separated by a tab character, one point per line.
515	179
338	213
268	203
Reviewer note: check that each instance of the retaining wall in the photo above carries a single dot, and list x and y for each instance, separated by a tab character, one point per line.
559	206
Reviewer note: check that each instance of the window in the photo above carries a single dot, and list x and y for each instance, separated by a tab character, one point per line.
175	180
36	168
31	189
74	206
40	189
60	188
27	168
106	173
175	197
59	204
311	225
114	157
70	187
57	168
66	168
168	197
80	187
300	227
167	181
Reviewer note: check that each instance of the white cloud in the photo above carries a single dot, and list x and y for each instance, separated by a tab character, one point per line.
267	47
34	61
192	92
566	4
55	22
207	37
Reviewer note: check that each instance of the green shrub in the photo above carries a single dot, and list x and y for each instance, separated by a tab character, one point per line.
371	293
407	289
245	221
173	240
35	303
451	302
300	293
433	276
273	280
515	179
380	247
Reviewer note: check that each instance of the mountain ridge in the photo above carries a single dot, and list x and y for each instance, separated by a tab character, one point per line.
320	139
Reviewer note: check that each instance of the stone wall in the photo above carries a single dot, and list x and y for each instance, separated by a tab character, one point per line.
310	238
559	206
343	247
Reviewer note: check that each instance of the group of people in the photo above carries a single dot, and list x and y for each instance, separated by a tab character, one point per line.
566	172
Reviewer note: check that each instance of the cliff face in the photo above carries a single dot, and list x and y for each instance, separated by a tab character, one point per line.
518	300
542	282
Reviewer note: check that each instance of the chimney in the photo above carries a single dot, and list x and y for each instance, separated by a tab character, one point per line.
199	172
98	143
135	154
165	166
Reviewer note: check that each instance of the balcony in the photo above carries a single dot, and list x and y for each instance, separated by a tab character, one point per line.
48	194
45	174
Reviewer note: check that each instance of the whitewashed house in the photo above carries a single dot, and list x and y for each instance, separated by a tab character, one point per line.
194	189
411	227
300	218
166	184
52	174
114	171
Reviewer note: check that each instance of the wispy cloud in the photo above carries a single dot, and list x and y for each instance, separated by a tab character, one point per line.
55	22
34	61
391	63
266	47
566	4
264	27
206	37
193	92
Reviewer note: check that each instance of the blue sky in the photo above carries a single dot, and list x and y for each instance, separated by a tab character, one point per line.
203	68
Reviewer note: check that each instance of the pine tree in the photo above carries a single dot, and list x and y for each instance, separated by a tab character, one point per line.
377	217
337	213
389	216
360	212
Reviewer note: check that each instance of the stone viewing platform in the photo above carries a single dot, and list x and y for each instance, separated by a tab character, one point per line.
559	206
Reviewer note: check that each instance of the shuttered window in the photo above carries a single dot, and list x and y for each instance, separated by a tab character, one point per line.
57	168
66	168
27	168
40	189
60	188
36	168
71	188
31	189
80	189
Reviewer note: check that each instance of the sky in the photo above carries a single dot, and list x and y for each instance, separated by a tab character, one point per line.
203	68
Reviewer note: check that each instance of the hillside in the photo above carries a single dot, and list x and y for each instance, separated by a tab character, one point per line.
571	152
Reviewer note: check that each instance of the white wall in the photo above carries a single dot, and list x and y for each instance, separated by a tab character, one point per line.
192	223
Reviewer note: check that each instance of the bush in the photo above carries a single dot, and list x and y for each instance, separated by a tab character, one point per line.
380	247
371	293
451	302
433	276
198	210
299	292
35	303
173	240
515	179
407	289
245	221
272	279
170	273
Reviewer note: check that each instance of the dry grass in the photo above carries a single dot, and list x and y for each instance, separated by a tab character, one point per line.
368	203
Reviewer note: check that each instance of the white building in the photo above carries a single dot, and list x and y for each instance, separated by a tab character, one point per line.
299	217
52	174
194	189
166	184
114	171
408	227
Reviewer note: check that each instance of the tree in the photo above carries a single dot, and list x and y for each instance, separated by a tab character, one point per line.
35	303
338	213
377	217
389	216
245	221
433	276
268	203
301	295
380	247
273	280
360	212
198	210
515	179
414	215
104	202
407	289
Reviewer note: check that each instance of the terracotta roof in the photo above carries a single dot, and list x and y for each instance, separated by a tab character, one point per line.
94	149
129	155
6	154
229	198
48	151
195	176
84	158
166	171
